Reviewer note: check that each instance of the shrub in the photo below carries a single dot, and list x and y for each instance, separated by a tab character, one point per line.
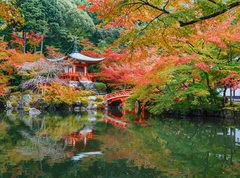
56	93
101	86
100	98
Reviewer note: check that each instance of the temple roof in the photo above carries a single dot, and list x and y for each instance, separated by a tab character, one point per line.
78	56
57	59
84	58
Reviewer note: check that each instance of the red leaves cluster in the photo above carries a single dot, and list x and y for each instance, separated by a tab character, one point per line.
218	41
34	39
232	81
52	52
185	59
17	40
219	32
203	66
82	7
117	69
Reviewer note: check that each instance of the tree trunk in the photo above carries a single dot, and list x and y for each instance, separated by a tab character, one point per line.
24	41
234	94
231	102
210	89
41	51
42	42
224	96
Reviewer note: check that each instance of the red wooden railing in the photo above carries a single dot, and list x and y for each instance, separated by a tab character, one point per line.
79	76
117	94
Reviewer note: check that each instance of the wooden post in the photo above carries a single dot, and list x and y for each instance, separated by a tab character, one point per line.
85	70
143	111
74	72
124	106
74	69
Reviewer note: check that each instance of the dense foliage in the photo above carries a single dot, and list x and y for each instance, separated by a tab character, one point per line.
178	54
61	94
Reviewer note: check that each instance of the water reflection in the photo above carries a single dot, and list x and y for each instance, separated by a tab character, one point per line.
116	118
119	144
84	135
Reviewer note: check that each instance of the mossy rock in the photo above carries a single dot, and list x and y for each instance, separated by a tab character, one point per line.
27	109
14	104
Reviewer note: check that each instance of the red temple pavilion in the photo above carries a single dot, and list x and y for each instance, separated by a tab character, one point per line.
78	70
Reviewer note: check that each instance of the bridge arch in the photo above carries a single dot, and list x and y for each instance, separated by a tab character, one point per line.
118	96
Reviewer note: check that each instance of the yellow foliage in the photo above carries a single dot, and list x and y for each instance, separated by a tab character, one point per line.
57	93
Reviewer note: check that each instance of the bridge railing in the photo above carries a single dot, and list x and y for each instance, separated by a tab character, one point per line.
117	94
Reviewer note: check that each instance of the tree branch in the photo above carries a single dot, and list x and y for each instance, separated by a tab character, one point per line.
231	6
212	1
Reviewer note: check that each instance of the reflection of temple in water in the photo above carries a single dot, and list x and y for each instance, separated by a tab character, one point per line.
84	135
230	138
237	137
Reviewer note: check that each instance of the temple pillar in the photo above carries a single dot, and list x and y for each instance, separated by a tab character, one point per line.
74	69
85	70
74	72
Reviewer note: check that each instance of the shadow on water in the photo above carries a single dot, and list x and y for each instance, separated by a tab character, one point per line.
115	144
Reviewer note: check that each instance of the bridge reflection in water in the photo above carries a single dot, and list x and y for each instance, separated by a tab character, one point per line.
118	118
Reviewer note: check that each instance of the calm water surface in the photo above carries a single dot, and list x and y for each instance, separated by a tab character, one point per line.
96	145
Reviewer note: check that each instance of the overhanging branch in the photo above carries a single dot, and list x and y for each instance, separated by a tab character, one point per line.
231	6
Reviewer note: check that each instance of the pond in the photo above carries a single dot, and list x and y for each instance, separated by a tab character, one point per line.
94	144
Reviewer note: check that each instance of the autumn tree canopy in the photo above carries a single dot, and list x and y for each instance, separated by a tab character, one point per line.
179	52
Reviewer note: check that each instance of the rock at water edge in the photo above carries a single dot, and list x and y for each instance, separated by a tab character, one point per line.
34	112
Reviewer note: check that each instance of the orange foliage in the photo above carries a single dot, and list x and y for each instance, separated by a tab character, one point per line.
10	60
52	52
10	13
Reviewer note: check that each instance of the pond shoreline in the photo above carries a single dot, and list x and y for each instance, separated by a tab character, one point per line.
223	114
